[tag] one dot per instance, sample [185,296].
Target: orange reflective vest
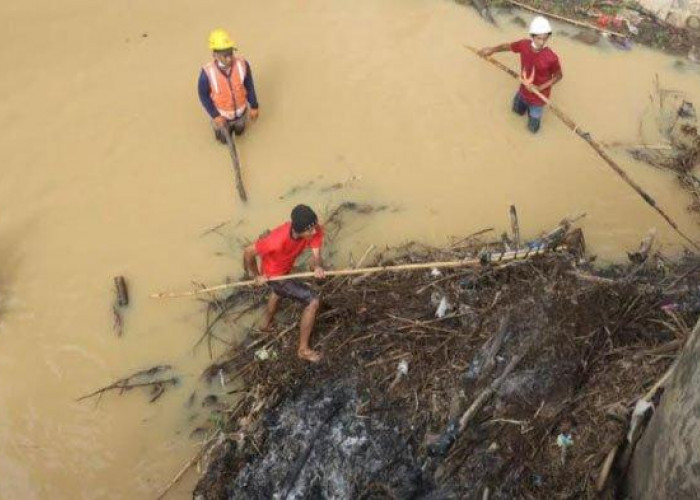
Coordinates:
[228,92]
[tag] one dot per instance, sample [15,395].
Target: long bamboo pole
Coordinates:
[593,143]
[495,258]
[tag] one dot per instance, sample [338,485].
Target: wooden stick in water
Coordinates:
[514,226]
[495,258]
[236,165]
[594,144]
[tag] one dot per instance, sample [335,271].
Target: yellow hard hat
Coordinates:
[219,40]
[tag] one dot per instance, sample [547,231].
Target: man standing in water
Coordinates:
[539,68]
[226,88]
[278,251]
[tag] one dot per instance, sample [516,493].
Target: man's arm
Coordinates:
[250,264]
[250,90]
[317,263]
[250,87]
[504,47]
[204,91]
[555,79]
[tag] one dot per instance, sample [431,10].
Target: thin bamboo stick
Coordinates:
[495,258]
[593,143]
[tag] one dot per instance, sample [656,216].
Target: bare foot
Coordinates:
[267,327]
[310,355]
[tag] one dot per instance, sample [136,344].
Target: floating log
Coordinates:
[122,291]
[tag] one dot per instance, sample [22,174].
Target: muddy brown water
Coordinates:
[109,168]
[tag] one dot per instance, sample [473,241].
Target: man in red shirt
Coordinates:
[539,67]
[278,251]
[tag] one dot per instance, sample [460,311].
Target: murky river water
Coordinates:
[109,168]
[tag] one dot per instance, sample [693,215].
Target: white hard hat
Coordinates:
[540,26]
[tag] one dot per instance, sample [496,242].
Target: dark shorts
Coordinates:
[293,289]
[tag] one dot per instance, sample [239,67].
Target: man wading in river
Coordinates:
[226,88]
[539,67]
[278,251]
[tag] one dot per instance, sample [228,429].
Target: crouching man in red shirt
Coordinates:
[539,68]
[278,251]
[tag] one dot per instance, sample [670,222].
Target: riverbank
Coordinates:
[501,381]
[657,24]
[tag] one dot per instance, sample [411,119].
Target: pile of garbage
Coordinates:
[672,118]
[502,381]
[669,25]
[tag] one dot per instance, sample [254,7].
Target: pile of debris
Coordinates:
[669,25]
[674,119]
[509,380]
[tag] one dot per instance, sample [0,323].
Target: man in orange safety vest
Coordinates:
[226,88]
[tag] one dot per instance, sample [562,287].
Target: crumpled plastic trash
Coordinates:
[442,308]
[474,369]
[402,368]
[435,272]
[669,308]
[263,354]
[401,371]
[564,440]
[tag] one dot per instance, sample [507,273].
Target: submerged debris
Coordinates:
[121,300]
[155,378]
[677,124]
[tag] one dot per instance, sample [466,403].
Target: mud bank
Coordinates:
[505,381]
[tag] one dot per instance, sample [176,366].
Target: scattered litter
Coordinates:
[537,481]
[474,369]
[564,441]
[265,354]
[620,42]
[669,308]
[402,368]
[448,375]
[442,308]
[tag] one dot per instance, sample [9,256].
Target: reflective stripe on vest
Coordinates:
[228,93]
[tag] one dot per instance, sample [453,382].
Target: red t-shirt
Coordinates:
[278,250]
[546,65]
